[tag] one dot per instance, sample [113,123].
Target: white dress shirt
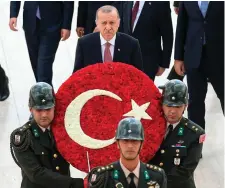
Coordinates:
[136,173]
[43,129]
[141,5]
[174,125]
[111,48]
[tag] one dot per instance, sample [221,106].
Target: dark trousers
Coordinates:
[42,48]
[197,86]
[4,87]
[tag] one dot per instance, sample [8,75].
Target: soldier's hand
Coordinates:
[176,10]
[179,67]
[80,31]
[77,183]
[13,24]
[160,71]
[65,34]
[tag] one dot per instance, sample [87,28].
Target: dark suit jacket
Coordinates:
[153,24]
[186,148]
[88,52]
[87,13]
[54,14]
[191,26]
[155,177]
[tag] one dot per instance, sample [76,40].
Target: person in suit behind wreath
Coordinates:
[199,52]
[34,149]
[108,45]
[151,24]
[86,15]
[44,24]
[129,171]
[4,85]
[181,148]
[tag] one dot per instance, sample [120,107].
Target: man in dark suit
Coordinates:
[199,52]
[149,22]
[108,45]
[4,85]
[86,15]
[181,149]
[34,149]
[44,23]
[129,171]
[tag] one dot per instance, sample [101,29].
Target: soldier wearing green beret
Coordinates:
[129,171]
[34,149]
[181,148]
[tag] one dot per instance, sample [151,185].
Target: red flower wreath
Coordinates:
[98,115]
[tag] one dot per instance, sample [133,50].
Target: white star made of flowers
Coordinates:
[138,112]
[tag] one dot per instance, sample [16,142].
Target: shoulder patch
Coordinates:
[202,138]
[97,176]
[21,137]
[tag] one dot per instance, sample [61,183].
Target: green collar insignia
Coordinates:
[147,177]
[181,131]
[35,131]
[116,174]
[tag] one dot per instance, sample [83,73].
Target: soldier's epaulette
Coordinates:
[105,168]
[193,126]
[153,167]
[25,127]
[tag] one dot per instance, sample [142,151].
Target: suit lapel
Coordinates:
[209,8]
[117,50]
[145,9]
[197,8]
[97,49]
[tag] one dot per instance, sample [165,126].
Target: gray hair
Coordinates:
[107,9]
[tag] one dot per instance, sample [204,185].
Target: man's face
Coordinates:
[129,148]
[108,24]
[173,114]
[43,117]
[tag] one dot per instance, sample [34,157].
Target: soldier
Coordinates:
[33,146]
[181,148]
[129,171]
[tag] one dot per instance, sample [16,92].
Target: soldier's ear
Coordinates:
[117,143]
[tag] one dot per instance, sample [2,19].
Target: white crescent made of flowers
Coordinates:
[72,120]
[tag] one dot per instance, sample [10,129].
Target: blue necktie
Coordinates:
[204,7]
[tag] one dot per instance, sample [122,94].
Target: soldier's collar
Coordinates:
[43,129]
[136,171]
[174,125]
